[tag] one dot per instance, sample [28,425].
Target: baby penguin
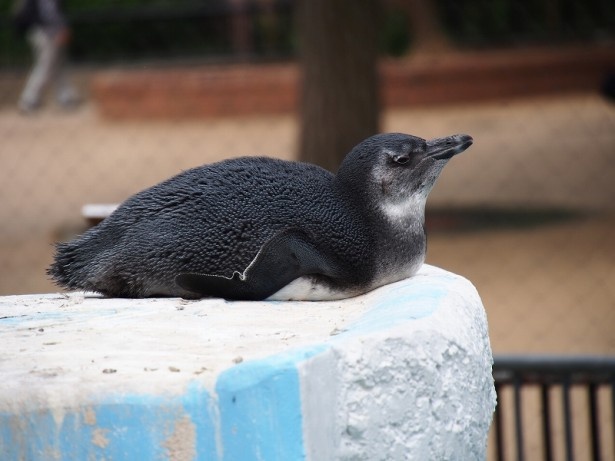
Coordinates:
[257,228]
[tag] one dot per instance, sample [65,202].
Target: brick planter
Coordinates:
[248,90]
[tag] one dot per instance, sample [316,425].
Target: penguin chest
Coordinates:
[310,289]
[398,270]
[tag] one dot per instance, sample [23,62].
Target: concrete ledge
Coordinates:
[403,372]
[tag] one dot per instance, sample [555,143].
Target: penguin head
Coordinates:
[396,169]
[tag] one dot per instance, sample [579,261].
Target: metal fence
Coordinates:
[559,421]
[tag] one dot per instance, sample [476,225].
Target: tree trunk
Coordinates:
[339,96]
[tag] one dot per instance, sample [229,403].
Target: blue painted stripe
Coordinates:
[260,408]
[407,302]
[124,427]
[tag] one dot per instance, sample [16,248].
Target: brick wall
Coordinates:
[248,89]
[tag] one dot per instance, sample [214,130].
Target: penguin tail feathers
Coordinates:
[68,269]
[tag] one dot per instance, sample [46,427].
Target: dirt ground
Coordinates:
[547,288]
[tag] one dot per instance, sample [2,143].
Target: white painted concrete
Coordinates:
[397,388]
[403,372]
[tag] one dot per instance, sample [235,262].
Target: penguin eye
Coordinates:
[401,159]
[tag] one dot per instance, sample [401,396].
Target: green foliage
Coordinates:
[74,5]
[146,39]
[121,30]
[509,22]
[395,36]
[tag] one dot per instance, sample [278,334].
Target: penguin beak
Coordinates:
[445,148]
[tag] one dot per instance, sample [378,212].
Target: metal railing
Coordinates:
[591,375]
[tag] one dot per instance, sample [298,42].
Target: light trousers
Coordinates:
[48,70]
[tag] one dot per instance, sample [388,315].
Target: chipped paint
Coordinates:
[299,391]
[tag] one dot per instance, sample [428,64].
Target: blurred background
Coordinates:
[527,214]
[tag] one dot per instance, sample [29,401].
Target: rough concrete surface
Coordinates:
[416,390]
[403,372]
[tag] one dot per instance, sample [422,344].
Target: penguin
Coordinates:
[258,228]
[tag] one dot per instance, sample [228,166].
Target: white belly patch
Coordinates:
[306,289]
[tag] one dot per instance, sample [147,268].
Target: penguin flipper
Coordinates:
[285,257]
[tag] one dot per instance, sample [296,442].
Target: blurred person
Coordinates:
[45,25]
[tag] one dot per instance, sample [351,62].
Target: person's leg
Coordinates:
[45,56]
[66,93]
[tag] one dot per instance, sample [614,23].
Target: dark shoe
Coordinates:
[28,108]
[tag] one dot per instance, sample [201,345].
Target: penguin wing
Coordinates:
[287,256]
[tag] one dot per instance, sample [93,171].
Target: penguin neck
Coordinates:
[403,223]
[404,213]
[400,238]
